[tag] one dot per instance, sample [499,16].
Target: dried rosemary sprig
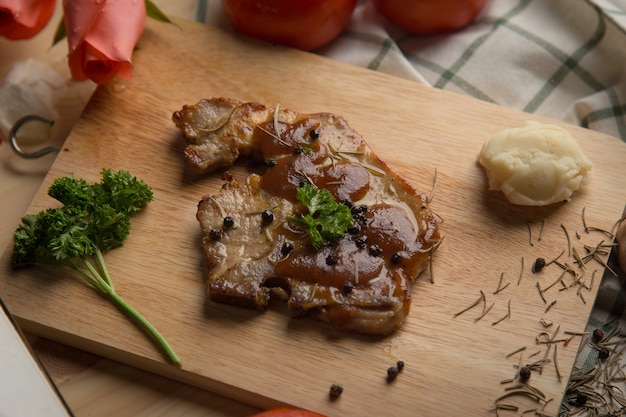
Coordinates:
[501,287]
[474,304]
[506,316]
[434,189]
[600,390]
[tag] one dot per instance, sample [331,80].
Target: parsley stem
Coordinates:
[97,281]
[103,268]
[84,275]
[146,326]
[102,283]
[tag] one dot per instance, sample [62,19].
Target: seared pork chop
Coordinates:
[255,247]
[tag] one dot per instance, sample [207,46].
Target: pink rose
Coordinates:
[101,37]
[23,19]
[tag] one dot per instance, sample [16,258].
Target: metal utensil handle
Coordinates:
[13,137]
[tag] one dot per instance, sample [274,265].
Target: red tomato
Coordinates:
[302,24]
[286,412]
[430,16]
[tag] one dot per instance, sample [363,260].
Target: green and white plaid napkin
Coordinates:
[563,59]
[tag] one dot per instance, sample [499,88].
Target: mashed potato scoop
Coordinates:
[534,165]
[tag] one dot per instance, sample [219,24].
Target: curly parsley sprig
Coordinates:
[327,219]
[94,218]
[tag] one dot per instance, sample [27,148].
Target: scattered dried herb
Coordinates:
[515,352]
[500,287]
[273,135]
[486,310]
[569,243]
[474,304]
[599,390]
[541,293]
[430,259]
[556,258]
[506,316]
[543,224]
[434,189]
[275,120]
[556,362]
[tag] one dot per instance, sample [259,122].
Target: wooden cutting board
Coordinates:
[454,365]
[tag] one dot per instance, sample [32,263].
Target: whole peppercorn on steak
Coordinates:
[328,227]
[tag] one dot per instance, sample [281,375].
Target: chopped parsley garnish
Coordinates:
[326,219]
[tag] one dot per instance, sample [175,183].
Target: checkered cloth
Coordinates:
[563,59]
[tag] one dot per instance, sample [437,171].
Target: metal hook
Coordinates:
[13,138]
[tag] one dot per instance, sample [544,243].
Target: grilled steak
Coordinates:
[254,247]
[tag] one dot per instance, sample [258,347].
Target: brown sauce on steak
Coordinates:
[359,282]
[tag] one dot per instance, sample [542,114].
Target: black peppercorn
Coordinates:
[604,353]
[314,134]
[400,365]
[581,399]
[356,210]
[392,373]
[361,242]
[215,234]
[347,203]
[229,222]
[335,391]
[287,248]
[298,149]
[539,264]
[396,258]
[271,162]
[598,334]
[354,230]
[375,250]
[332,259]
[267,217]
[524,373]
[348,287]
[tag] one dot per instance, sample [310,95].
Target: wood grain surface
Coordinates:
[454,365]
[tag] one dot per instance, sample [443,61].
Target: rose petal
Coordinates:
[102,36]
[23,19]
[90,63]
